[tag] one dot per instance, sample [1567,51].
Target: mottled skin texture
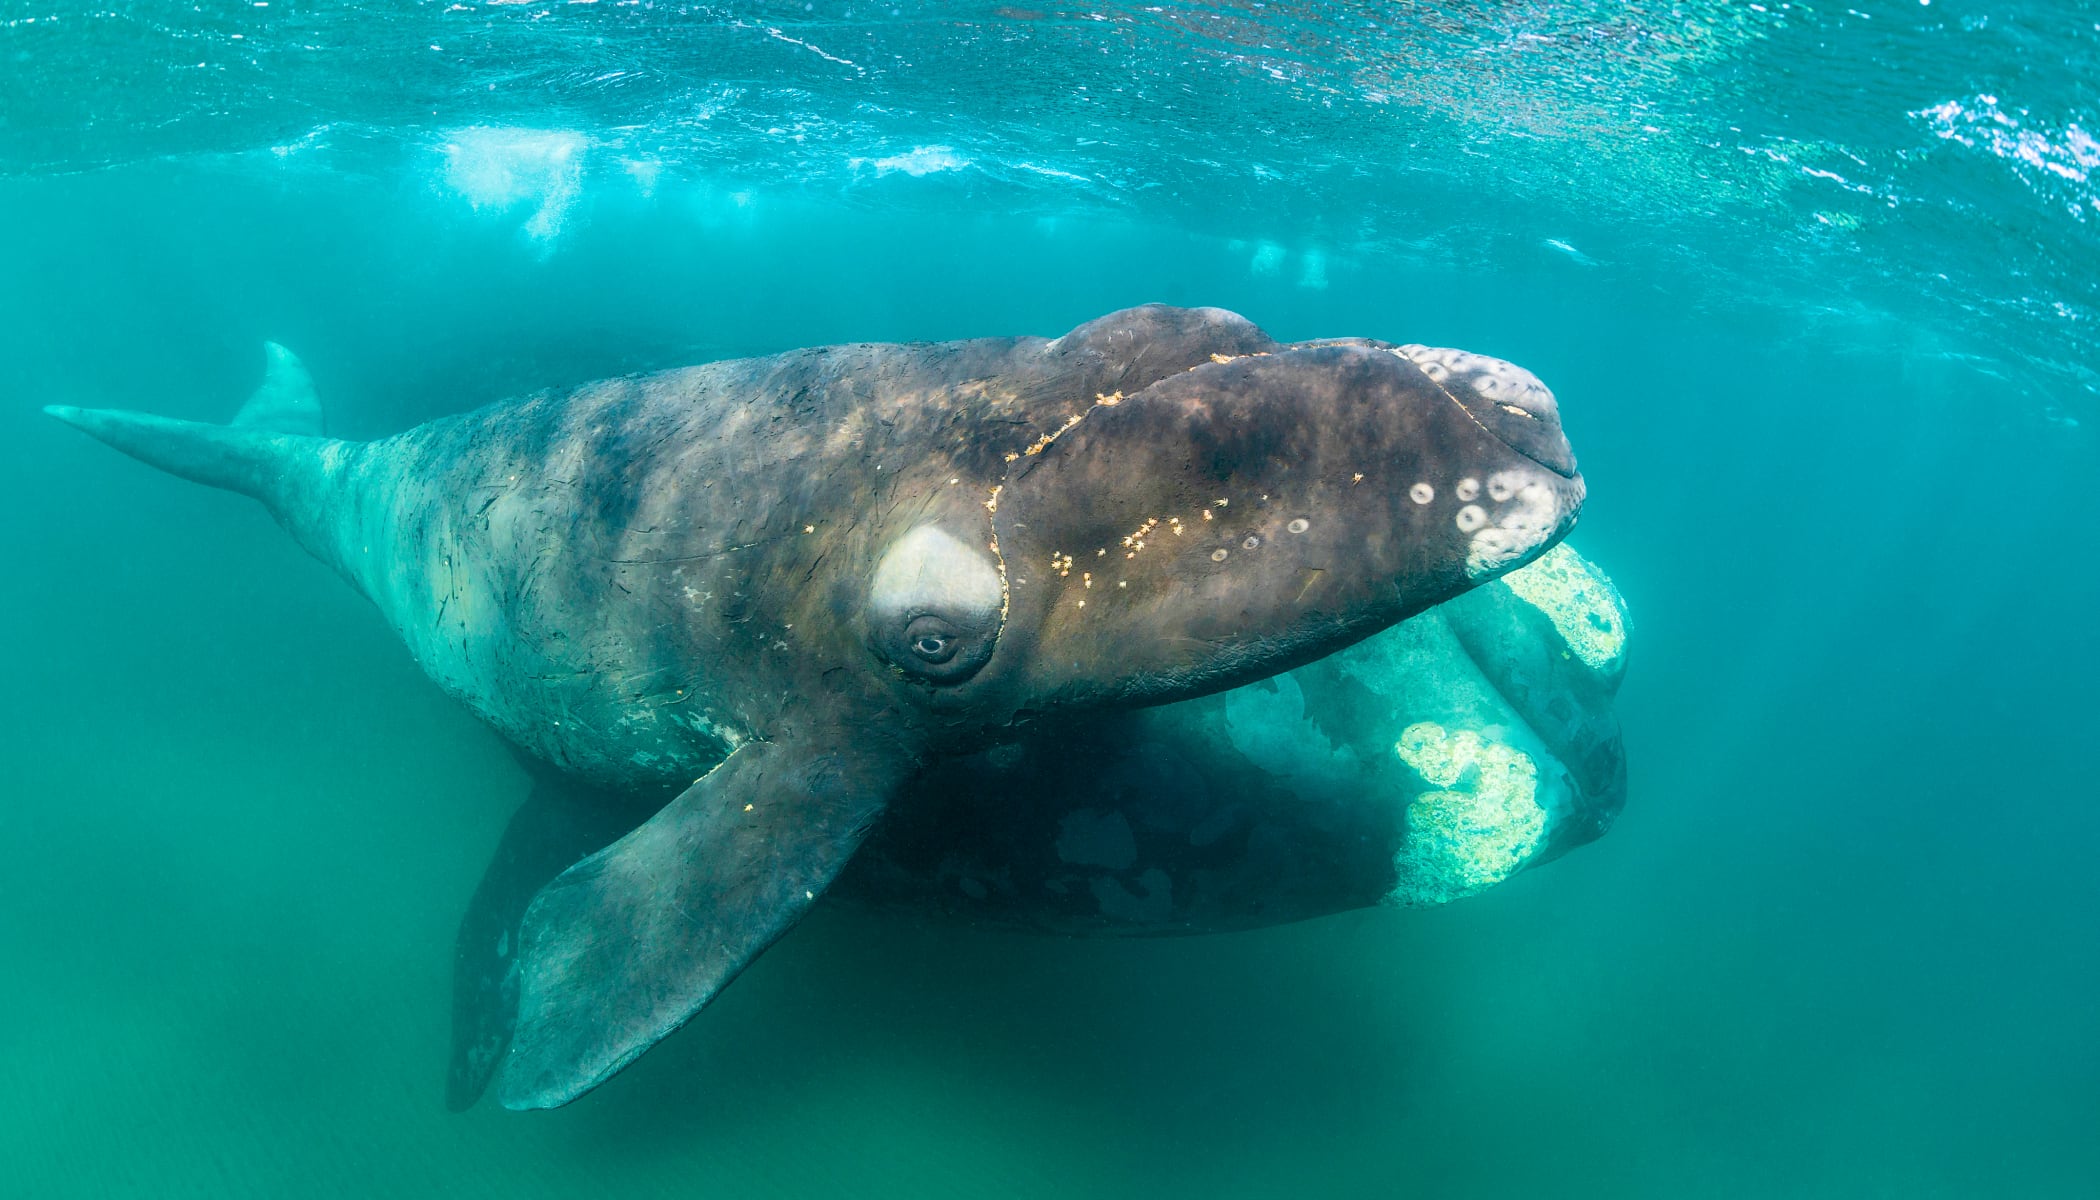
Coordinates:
[635,578]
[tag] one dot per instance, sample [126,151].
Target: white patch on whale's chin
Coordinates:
[1527,513]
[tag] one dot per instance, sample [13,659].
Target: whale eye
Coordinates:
[933,608]
[931,638]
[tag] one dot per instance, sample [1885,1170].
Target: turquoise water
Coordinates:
[1816,288]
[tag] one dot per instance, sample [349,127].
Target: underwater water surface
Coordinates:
[1816,288]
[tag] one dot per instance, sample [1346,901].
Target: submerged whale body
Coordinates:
[757,602]
[1421,765]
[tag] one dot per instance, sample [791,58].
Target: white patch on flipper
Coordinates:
[1518,528]
[1580,601]
[1480,823]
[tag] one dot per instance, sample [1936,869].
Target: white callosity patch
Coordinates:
[931,570]
[1479,822]
[1499,381]
[1580,601]
[1473,790]
[1527,508]
[1478,794]
[1520,525]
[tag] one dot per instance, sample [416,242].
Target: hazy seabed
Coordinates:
[1839,437]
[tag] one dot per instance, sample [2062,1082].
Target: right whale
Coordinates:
[751,602]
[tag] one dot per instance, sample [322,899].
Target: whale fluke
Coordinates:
[285,403]
[272,451]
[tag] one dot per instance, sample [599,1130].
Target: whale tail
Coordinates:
[271,450]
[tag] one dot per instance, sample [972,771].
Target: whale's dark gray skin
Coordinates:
[792,584]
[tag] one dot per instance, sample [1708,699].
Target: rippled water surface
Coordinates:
[1817,287]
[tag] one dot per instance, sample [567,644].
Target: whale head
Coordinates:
[1228,520]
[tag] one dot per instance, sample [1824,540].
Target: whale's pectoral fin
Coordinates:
[560,824]
[627,945]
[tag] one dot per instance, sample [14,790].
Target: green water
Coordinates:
[1841,457]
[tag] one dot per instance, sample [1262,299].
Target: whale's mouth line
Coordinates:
[1468,414]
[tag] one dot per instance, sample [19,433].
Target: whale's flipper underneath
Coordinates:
[628,944]
[271,451]
[560,824]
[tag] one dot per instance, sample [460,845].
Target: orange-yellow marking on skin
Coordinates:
[1312,579]
[1042,443]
